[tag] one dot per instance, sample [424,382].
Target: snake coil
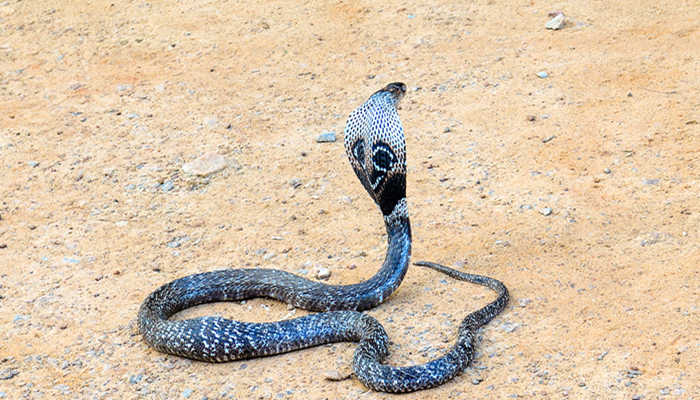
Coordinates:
[375,146]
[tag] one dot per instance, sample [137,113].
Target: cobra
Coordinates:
[375,146]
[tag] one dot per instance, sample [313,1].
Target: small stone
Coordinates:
[524,302]
[323,273]
[33,164]
[633,372]
[542,74]
[602,355]
[134,379]
[8,373]
[64,389]
[510,327]
[607,170]
[447,130]
[187,393]
[167,186]
[546,211]
[477,380]
[211,122]
[132,116]
[205,165]
[548,139]
[124,87]
[654,181]
[295,182]
[335,375]
[326,137]
[178,241]
[531,118]
[557,22]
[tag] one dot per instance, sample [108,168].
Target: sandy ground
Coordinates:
[102,103]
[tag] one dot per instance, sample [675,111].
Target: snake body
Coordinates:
[375,145]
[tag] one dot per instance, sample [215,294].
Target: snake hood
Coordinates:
[376,147]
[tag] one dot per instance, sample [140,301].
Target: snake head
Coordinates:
[376,146]
[396,89]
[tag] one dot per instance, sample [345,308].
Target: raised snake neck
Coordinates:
[375,145]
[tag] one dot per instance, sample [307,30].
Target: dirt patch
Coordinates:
[580,190]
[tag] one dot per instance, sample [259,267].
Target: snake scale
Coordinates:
[375,146]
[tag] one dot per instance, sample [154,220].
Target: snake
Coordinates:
[376,148]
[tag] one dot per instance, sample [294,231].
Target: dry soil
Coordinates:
[580,190]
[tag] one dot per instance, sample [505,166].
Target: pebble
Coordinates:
[633,372]
[607,170]
[557,22]
[33,164]
[602,355]
[548,139]
[326,137]
[510,327]
[205,165]
[524,302]
[295,182]
[167,186]
[187,393]
[9,373]
[335,375]
[542,74]
[177,241]
[531,118]
[211,122]
[323,273]
[64,389]
[477,381]
[546,211]
[134,379]
[654,181]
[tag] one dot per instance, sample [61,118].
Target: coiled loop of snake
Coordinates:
[375,146]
